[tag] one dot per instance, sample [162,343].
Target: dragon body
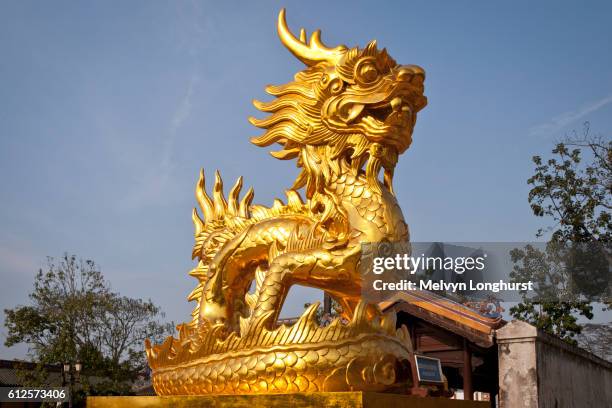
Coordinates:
[346,118]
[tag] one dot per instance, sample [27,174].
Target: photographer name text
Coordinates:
[441,285]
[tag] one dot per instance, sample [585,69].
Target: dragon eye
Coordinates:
[367,72]
[335,86]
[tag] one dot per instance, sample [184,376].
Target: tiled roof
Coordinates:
[447,314]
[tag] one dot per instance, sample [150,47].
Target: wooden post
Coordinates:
[468,392]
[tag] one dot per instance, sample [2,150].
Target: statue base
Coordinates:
[296,400]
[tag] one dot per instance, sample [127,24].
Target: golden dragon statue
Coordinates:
[345,119]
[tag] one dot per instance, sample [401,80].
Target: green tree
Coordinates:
[74,316]
[573,188]
[554,306]
[577,195]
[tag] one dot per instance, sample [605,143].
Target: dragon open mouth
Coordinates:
[393,113]
[382,118]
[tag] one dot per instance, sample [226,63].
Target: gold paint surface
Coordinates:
[345,119]
[294,400]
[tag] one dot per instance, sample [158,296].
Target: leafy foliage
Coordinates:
[576,195]
[74,316]
[558,318]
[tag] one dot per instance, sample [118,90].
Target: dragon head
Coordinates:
[350,106]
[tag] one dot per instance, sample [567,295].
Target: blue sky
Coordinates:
[109,109]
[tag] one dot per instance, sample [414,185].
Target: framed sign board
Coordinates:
[429,370]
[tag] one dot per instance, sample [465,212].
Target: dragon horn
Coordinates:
[312,53]
[203,198]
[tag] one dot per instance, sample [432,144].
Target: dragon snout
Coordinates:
[411,80]
[410,73]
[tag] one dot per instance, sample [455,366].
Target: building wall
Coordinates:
[569,378]
[537,370]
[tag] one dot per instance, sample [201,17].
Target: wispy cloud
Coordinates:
[556,124]
[181,114]
[195,32]
[153,184]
